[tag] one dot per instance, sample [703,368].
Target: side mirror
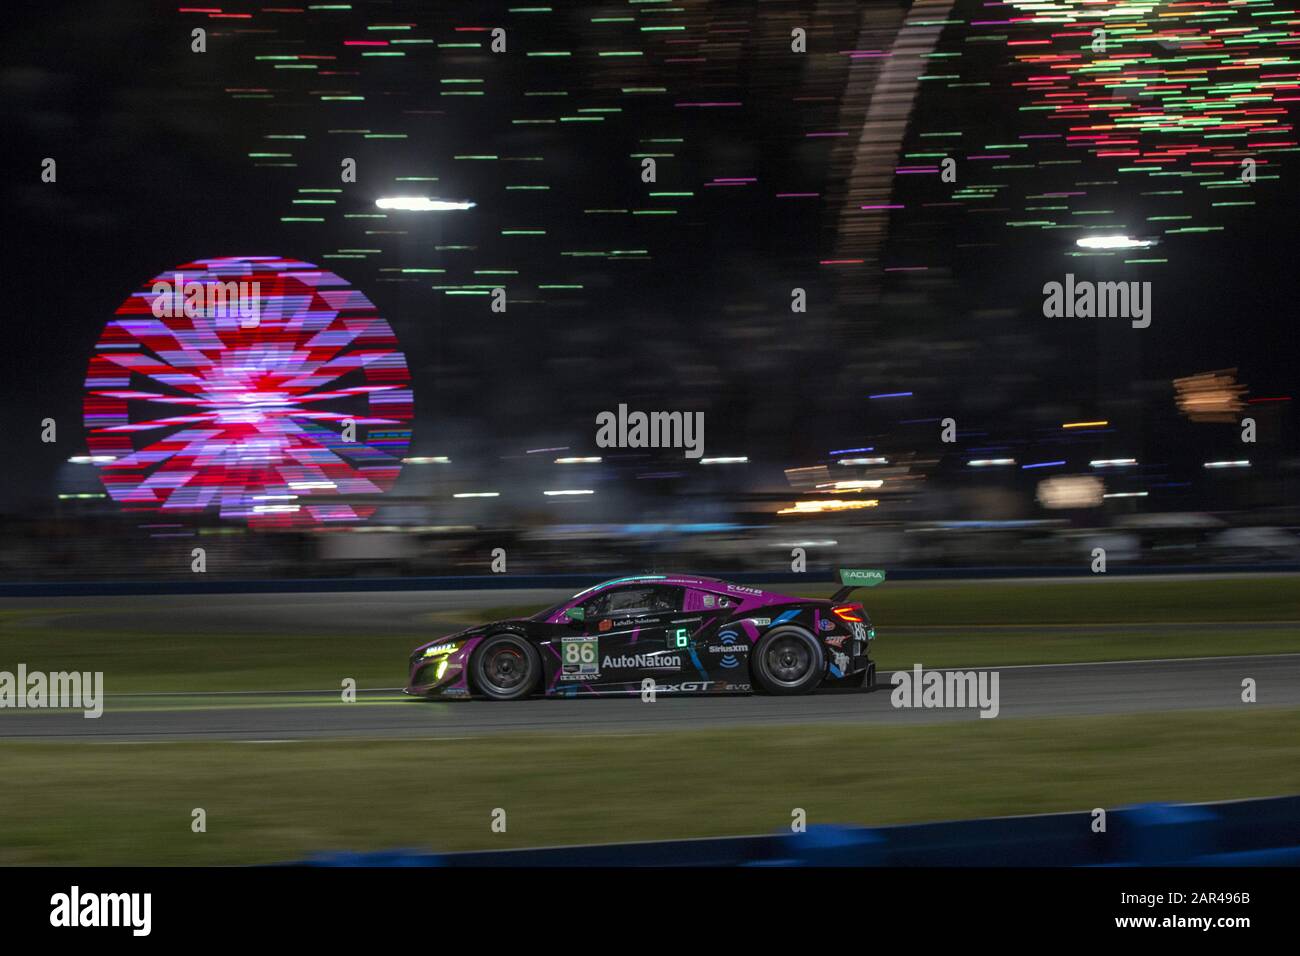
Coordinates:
[575,615]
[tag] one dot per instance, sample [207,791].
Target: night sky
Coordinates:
[667,295]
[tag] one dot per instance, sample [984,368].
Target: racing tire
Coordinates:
[787,661]
[505,667]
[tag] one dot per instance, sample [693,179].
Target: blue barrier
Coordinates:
[1263,832]
[489,582]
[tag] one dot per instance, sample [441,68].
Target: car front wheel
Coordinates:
[506,667]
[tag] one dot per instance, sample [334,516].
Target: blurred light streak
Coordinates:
[422,204]
[832,504]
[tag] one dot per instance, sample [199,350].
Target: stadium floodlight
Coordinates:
[422,204]
[1113,242]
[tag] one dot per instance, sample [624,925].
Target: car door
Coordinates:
[720,652]
[625,633]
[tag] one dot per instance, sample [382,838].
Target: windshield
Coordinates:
[553,609]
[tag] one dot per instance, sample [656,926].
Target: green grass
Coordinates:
[73,803]
[940,624]
[178,661]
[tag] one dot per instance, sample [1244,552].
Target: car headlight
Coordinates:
[440,649]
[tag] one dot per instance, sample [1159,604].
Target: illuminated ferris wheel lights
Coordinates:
[247,445]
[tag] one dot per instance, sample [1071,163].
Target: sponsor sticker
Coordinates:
[861,577]
[729,645]
[580,657]
[840,664]
[654,661]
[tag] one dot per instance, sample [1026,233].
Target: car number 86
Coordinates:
[579,652]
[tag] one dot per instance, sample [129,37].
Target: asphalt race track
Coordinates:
[1129,687]
[1031,691]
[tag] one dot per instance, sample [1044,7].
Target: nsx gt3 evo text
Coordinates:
[689,635]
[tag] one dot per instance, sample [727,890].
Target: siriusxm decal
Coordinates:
[730,644]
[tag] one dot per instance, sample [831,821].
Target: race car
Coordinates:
[672,634]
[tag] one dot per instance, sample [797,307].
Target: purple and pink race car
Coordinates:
[673,634]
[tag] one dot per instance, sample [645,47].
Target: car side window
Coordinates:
[635,600]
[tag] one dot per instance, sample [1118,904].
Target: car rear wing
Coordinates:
[854,578]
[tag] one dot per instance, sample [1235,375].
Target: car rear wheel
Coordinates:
[506,667]
[788,660]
